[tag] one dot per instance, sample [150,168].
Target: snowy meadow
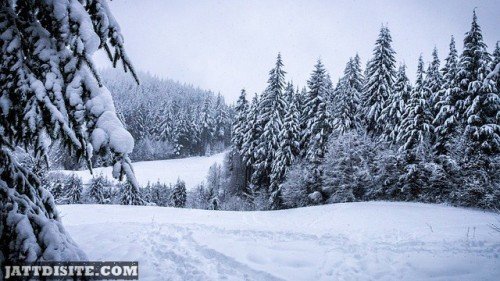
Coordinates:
[350,141]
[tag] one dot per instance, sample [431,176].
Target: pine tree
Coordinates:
[252,132]
[330,94]
[240,121]
[434,81]
[289,146]
[316,121]
[73,188]
[495,62]
[220,121]
[52,91]
[477,102]
[380,73]
[416,125]
[130,195]
[346,115]
[444,125]
[164,125]
[207,125]
[178,197]
[472,59]
[316,127]
[393,112]
[97,190]
[270,119]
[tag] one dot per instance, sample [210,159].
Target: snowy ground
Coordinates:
[192,170]
[354,241]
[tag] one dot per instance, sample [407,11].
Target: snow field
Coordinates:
[352,241]
[192,170]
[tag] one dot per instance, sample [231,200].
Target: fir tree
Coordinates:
[316,121]
[444,125]
[220,121]
[356,78]
[316,126]
[416,125]
[495,63]
[53,92]
[240,121]
[207,125]
[396,106]
[130,195]
[97,190]
[289,146]
[379,81]
[270,118]
[251,137]
[178,197]
[73,189]
[479,103]
[346,115]
[434,81]
[472,60]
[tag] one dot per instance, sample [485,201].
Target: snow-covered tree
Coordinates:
[130,195]
[346,116]
[434,81]
[289,146]
[52,91]
[316,126]
[178,196]
[445,122]
[207,124]
[348,169]
[220,123]
[495,61]
[97,190]
[73,189]
[160,194]
[379,79]
[239,123]
[416,125]
[270,117]
[296,187]
[252,133]
[316,122]
[392,114]
[481,104]
[214,186]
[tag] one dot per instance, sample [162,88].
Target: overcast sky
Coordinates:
[228,45]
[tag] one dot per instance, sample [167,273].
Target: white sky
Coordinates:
[229,45]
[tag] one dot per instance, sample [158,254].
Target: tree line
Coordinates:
[167,119]
[374,134]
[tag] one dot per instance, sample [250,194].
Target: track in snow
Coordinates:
[356,241]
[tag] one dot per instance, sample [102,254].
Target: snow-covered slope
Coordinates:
[353,241]
[192,170]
